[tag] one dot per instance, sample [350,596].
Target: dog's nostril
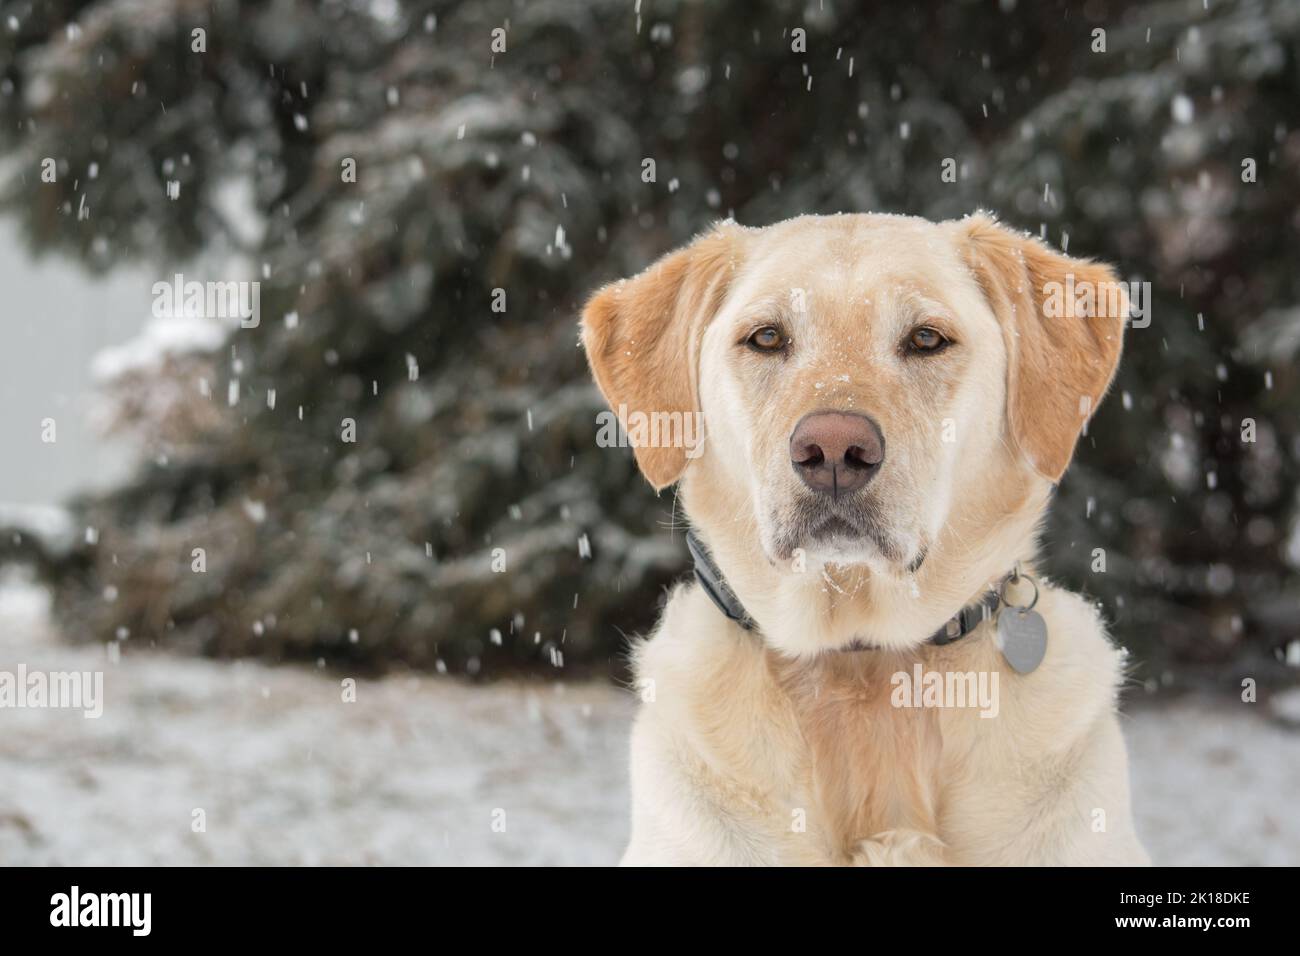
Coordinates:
[857,457]
[810,456]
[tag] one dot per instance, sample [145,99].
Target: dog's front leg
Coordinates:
[682,815]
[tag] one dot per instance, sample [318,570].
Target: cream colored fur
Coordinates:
[778,746]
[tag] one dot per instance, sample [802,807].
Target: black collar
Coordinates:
[715,586]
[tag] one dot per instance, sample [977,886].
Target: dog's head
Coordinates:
[861,378]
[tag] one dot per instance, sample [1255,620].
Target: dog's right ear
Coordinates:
[642,338]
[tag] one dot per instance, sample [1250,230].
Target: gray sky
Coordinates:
[54,317]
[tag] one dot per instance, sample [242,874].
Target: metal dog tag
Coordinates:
[1022,638]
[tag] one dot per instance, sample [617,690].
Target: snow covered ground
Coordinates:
[423,770]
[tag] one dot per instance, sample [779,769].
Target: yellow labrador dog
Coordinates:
[868,670]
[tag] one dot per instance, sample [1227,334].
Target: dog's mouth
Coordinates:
[834,527]
[839,534]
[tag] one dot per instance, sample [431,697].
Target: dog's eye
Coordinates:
[768,339]
[925,339]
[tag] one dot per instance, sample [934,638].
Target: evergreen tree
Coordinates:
[427,191]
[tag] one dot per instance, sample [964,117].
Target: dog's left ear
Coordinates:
[642,338]
[1063,323]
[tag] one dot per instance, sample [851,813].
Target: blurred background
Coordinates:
[425,193]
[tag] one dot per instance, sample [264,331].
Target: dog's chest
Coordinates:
[866,767]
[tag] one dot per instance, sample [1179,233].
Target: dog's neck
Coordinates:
[959,625]
[837,606]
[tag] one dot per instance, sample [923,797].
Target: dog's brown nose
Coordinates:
[836,452]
